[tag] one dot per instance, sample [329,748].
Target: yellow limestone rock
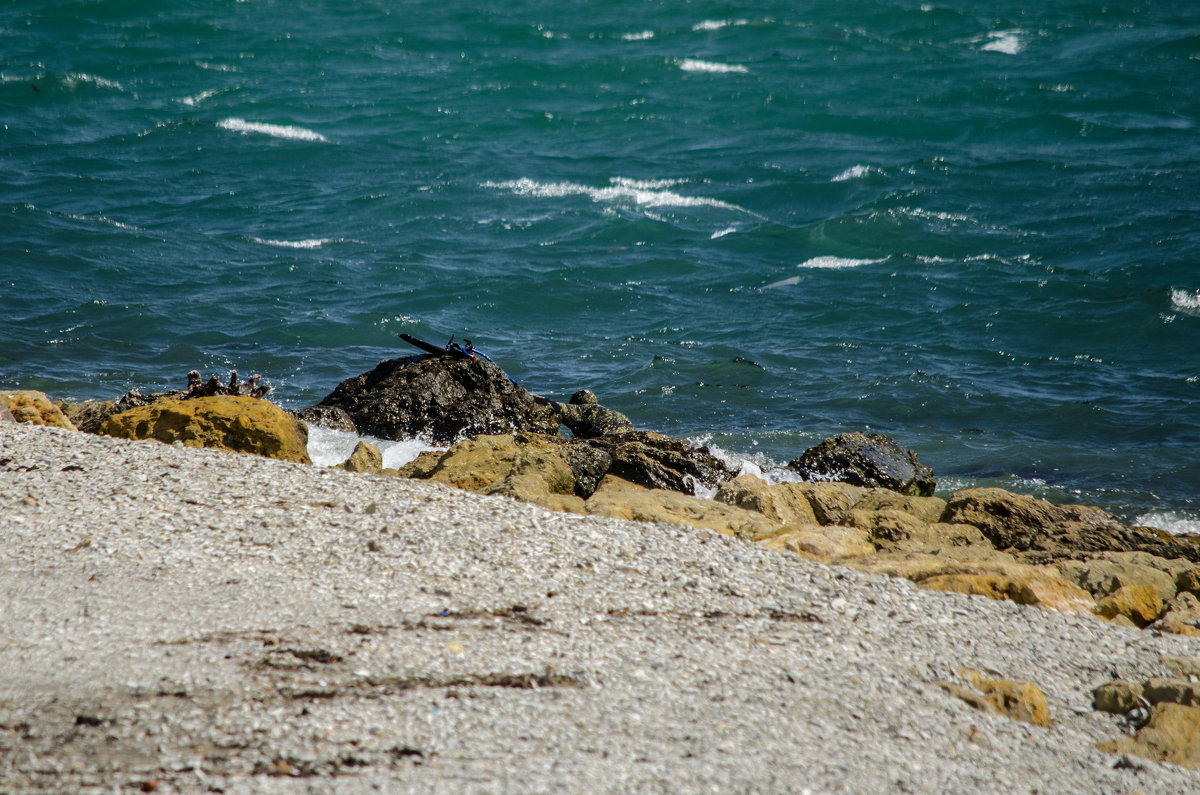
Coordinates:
[1017,699]
[366,457]
[1171,735]
[620,499]
[225,422]
[34,408]
[1141,604]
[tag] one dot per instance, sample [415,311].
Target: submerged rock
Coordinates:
[871,460]
[440,398]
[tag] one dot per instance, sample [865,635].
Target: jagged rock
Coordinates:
[871,460]
[659,462]
[331,417]
[34,408]
[1017,699]
[1171,735]
[88,416]
[365,457]
[239,424]
[440,398]
[587,419]
[1181,616]
[1141,604]
[1163,689]
[1045,532]
[621,499]
[214,386]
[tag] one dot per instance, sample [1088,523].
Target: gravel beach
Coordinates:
[189,620]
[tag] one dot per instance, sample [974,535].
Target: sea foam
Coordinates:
[312,243]
[329,448]
[644,193]
[836,262]
[855,172]
[1008,42]
[696,65]
[273,130]
[1172,522]
[1185,300]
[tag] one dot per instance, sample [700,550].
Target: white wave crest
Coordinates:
[329,448]
[717,24]
[835,263]
[729,230]
[644,35]
[644,193]
[195,99]
[274,130]
[312,243]
[1185,300]
[1008,42]
[695,65]
[75,78]
[855,172]
[1170,521]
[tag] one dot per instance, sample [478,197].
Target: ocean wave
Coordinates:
[729,230]
[1009,42]
[1172,522]
[195,99]
[644,35]
[274,130]
[835,263]
[97,219]
[315,242]
[696,65]
[856,172]
[329,448]
[717,24]
[644,193]
[76,78]
[1185,300]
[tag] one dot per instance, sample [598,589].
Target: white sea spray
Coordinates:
[288,132]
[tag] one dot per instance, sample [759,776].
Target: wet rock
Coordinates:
[871,460]
[659,462]
[620,499]
[442,399]
[34,408]
[366,457]
[331,417]
[1042,532]
[234,387]
[587,419]
[1017,699]
[239,424]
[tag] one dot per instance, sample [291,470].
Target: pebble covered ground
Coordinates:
[180,619]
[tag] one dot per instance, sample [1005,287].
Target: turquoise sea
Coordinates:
[972,226]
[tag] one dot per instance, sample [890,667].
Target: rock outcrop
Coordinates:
[587,419]
[238,424]
[34,408]
[871,460]
[442,399]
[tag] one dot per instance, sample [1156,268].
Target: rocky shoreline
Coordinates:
[1118,684]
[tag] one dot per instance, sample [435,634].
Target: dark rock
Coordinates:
[1041,532]
[331,417]
[589,463]
[90,415]
[871,460]
[660,462]
[442,398]
[590,421]
[214,386]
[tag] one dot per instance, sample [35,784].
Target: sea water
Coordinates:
[972,226]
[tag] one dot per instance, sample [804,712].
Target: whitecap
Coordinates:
[717,24]
[310,243]
[644,35]
[695,65]
[195,99]
[855,172]
[644,193]
[1186,300]
[273,130]
[216,67]
[722,232]
[835,263]
[1008,42]
[83,77]
[782,283]
[328,447]
[1171,521]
